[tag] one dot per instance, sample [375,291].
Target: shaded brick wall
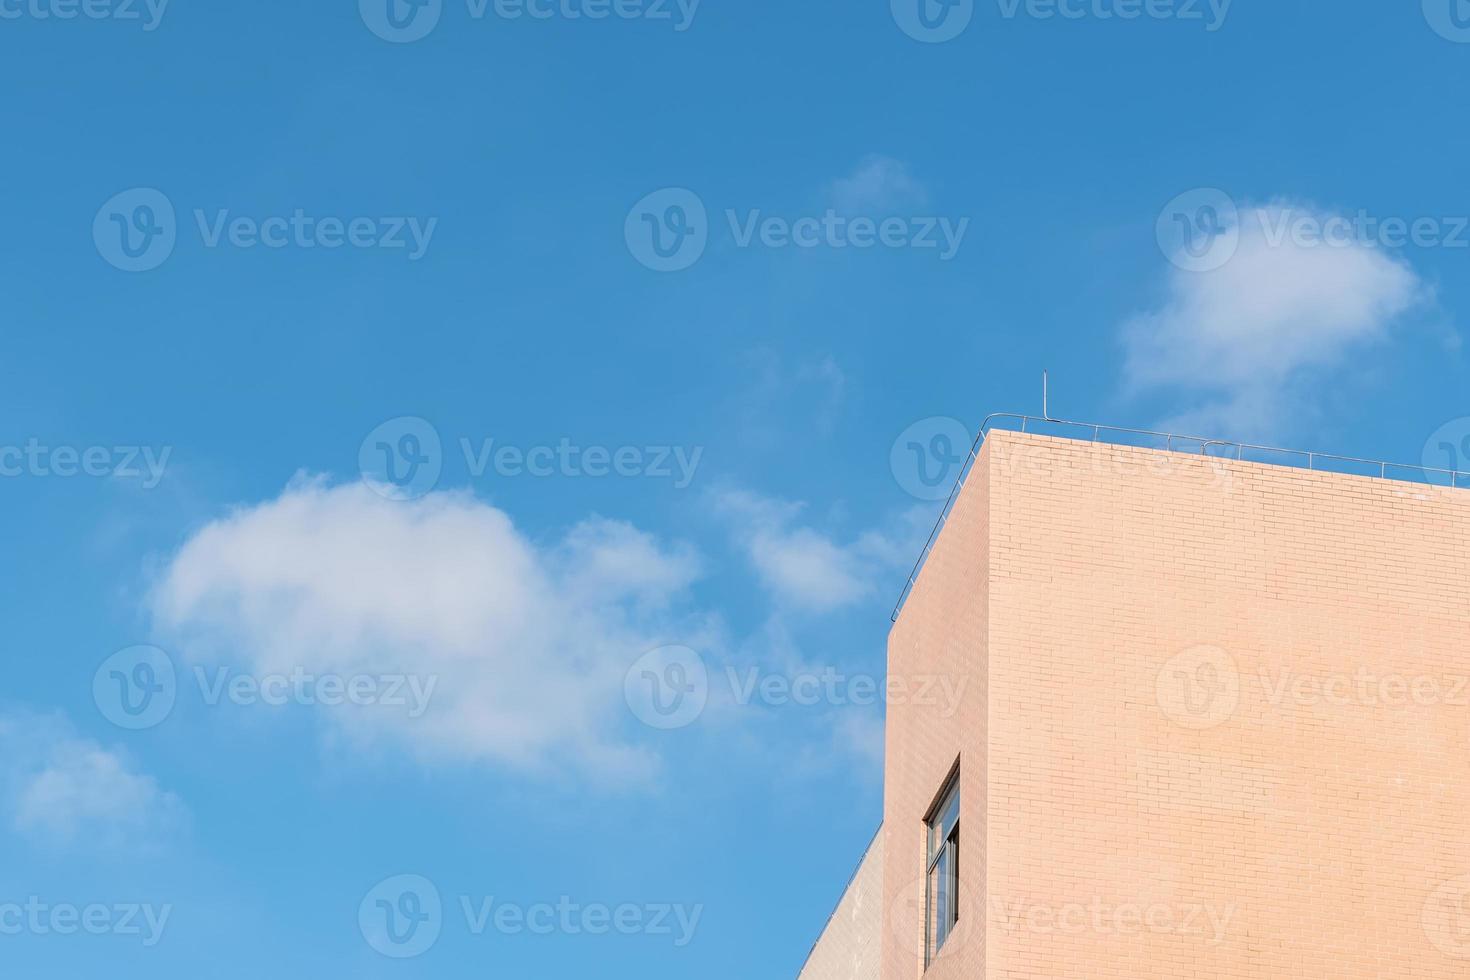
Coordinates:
[849,946]
[941,635]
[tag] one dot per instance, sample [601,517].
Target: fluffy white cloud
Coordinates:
[1245,331]
[62,788]
[879,184]
[529,642]
[806,569]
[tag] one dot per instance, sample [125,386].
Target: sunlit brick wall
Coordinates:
[1226,730]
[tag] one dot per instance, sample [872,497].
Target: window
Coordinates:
[942,883]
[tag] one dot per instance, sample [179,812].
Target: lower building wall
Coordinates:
[849,947]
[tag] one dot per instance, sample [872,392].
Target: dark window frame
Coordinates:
[942,866]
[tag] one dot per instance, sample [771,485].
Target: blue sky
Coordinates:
[548,417]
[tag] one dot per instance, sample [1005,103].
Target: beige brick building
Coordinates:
[1215,724]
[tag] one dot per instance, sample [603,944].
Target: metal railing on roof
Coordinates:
[1172,442]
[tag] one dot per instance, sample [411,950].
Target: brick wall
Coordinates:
[849,946]
[940,637]
[1221,728]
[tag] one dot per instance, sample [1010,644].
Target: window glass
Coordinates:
[941,886]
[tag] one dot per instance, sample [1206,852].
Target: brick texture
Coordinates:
[1216,722]
[849,947]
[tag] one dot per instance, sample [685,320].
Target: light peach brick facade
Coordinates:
[1215,723]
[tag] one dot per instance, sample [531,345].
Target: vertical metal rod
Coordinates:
[1044,413]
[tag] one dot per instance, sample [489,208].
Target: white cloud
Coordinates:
[806,569]
[879,184]
[1244,332]
[62,788]
[529,642]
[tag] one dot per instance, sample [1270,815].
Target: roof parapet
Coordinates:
[1172,442]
